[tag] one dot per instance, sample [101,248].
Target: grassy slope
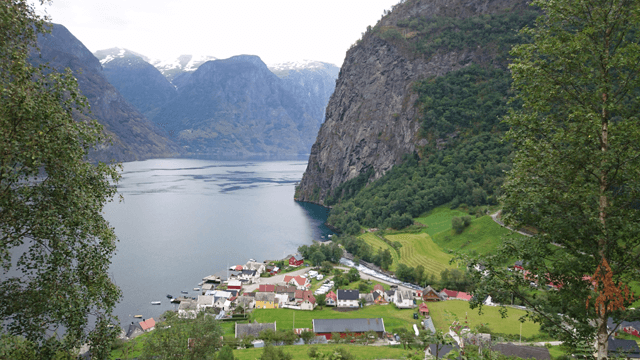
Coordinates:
[376,243]
[443,313]
[300,352]
[439,219]
[419,249]
[482,236]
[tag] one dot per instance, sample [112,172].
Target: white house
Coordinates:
[348,298]
[404,299]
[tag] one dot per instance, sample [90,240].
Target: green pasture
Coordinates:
[392,316]
[360,352]
[444,313]
[483,236]
[376,243]
[419,249]
[439,219]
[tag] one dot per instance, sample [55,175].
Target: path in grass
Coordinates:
[439,219]
[482,236]
[419,249]
[392,316]
[491,316]
[359,351]
[376,243]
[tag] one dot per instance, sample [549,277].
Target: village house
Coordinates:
[309,301]
[134,330]
[266,301]
[423,309]
[288,290]
[298,281]
[234,284]
[357,327]
[524,352]
[254,329]
[267,288]
[368,298]
[283,299]
[296,260]
[247,302]
[430,294]
[630,327]
[257,266]
[389,295]
[250,276]
[404,299]
[348,298]
[148,325]
[379,298]
[620,348]
[204,302]
[331,299]
[187,309]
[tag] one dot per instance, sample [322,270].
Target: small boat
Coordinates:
[196,289]
[184,292]
[169,296]
[252,260]
[137,316]
[200,283]
[156,303]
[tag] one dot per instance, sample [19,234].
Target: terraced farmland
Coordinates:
[419,249]
[439,219]
[376,243]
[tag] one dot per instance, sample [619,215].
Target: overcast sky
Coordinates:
[275,30]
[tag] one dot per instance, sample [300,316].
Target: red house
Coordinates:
[423,309]
[267,288]
[296,260]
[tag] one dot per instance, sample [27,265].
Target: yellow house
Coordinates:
[266,301]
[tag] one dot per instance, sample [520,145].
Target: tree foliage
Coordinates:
[55,246]
[176,337]
[575,175]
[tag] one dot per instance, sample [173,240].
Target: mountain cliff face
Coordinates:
[139,82]
[134,137]
[238,107]
[371,119]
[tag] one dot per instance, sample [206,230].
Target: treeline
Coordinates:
[363,251]
[452,279]
[318,253]
[463,163]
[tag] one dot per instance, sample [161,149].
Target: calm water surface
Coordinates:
[184,219]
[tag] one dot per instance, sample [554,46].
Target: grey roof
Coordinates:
[611,324]
[626,348]
[134,330]
[254,329]
[298,257]
[444,349]
[347,325]
[428,325]
[390,292]
[524,352]
[261,296]
[249,272]
[348,294]
[188,305]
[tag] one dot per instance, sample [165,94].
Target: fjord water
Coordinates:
[183,219]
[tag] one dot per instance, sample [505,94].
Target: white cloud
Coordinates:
[275,30]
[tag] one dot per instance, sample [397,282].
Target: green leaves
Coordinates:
[54,242]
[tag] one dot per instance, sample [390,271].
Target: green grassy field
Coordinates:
[129,349]
[444,312]
[376,243]
[482,236]
[419,249]
[392,316]
[359,351]
[354,285]
[439,219]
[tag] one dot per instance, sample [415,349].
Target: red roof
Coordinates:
[332,295]
[450,293]
[238,267]
[147,324]
[267,288]
[298,279]
[424,307]
[299,294]
[464,296]
[378,287]
[287,278]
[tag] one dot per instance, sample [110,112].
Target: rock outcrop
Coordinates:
[371,119]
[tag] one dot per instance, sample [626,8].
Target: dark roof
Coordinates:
[250,272]
[348,294]
[444,349]
[524,352]
[611,324]
[626,348]
[254,329]
[134,329]
[347,325]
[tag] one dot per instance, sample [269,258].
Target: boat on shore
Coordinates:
[184,292]
[196,289]
[137,316]
[156,303]
[169,296]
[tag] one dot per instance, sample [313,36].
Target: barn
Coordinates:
[357,327]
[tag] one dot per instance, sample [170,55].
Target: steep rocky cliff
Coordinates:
[371,119]
[134,136]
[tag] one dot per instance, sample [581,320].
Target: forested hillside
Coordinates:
[463,158]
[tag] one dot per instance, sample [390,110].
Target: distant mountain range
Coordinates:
[231,107]
[134,136]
